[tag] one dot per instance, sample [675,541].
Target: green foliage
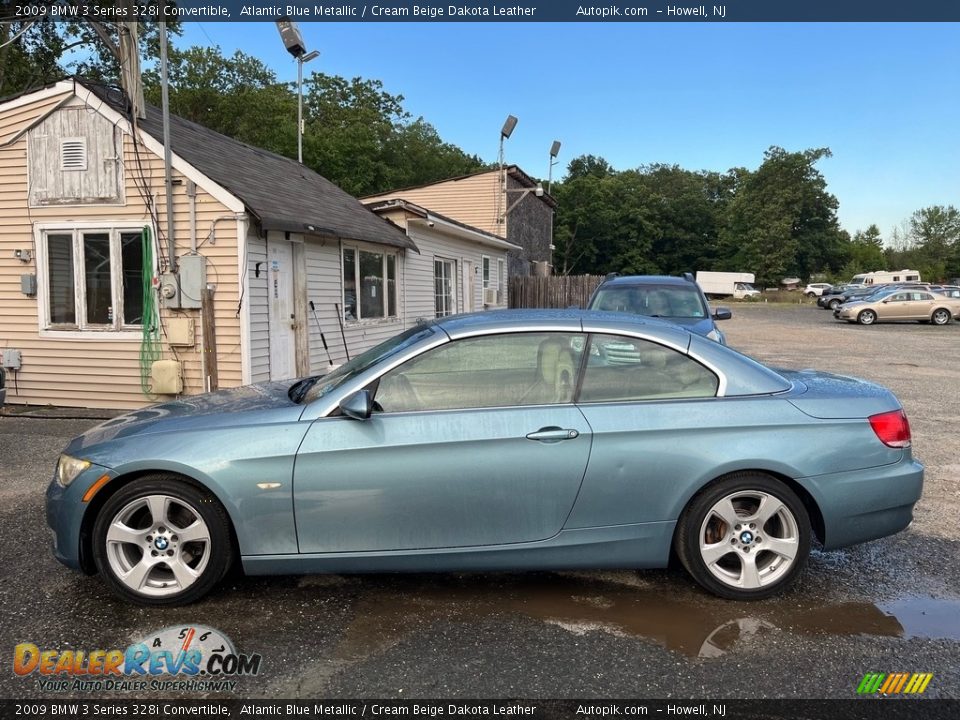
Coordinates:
[782,221]
[776,221]
[238,96]
[929,242]
[356,134]
[49,50]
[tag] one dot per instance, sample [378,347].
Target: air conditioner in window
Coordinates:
[489,296]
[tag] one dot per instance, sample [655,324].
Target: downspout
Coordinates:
[192,194]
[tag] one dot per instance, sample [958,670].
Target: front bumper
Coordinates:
[65,511]
[866,504]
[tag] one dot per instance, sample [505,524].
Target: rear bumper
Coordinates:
[866,504]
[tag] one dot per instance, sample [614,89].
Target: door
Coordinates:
[468,286]
[283,356]
[478,443]
[921,305]
[897,307]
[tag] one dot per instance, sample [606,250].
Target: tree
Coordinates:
[356,134]
[782,221]
[238,96]
[46,50]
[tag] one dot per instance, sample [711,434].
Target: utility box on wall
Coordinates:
[193,280]
[183,290]
[180,331]
[12,359]
[166,377]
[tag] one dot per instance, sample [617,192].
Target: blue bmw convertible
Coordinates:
[503,440]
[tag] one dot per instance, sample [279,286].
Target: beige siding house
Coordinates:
[507,203]
[466,267]
[266,256]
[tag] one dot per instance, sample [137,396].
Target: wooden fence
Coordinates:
[552,291]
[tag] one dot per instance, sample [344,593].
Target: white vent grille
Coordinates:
[73,154]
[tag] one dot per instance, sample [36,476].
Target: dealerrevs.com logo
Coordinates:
[192,658]
[900,683]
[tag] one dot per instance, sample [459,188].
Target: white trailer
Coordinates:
[880,277]
[724,284]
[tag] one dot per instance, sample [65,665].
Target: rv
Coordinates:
[882,276]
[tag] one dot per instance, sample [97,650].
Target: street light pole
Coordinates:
[301,60]
[293,42]
[300,109]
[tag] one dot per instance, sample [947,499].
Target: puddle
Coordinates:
[696,626]
[926,617]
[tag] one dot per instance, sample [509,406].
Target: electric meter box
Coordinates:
[193,280]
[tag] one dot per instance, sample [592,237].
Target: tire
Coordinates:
[941,316]
[834,304]
[733,559]
[811,295]
[162,541]
[867,317]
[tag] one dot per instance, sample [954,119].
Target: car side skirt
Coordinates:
[642,545]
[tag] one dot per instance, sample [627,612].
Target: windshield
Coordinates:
[371,357]
[668,301]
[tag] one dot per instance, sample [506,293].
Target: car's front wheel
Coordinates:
[867,317]
[162,541]
[745,537]
[834,304]
[940,316]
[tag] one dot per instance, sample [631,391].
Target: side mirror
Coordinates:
[358,405]
[722,313]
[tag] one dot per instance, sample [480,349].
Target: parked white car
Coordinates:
[816,289]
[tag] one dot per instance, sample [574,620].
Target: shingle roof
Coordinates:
[280,192]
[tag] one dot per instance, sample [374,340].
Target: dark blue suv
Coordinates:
[676,299]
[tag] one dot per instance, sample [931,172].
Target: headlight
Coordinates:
[68,468]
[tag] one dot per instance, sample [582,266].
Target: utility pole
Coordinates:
[129,59]
[167,154]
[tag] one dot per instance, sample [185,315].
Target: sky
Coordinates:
[884,97]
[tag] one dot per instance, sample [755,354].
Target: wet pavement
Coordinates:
[892,605]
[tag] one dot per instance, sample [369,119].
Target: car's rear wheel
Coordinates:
[745,537]
[940,316]
[162,541]
[867,317]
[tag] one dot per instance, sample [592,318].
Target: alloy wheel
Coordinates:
[749,539]
[158,545]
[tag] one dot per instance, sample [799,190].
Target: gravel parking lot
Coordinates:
[886,606]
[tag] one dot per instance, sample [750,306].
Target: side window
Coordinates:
[621,369]
[490,371]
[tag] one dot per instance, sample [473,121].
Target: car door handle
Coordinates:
[553,434]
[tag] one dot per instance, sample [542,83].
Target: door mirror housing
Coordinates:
[722,313]
[358,405]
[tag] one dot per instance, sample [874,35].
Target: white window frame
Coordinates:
[501,281]
[486,272]
[76,230]
[391,315]
[452,279]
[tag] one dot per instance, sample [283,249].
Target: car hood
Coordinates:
[828,396]
[224,408]
[698,325]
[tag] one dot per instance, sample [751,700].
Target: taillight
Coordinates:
[892,428]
